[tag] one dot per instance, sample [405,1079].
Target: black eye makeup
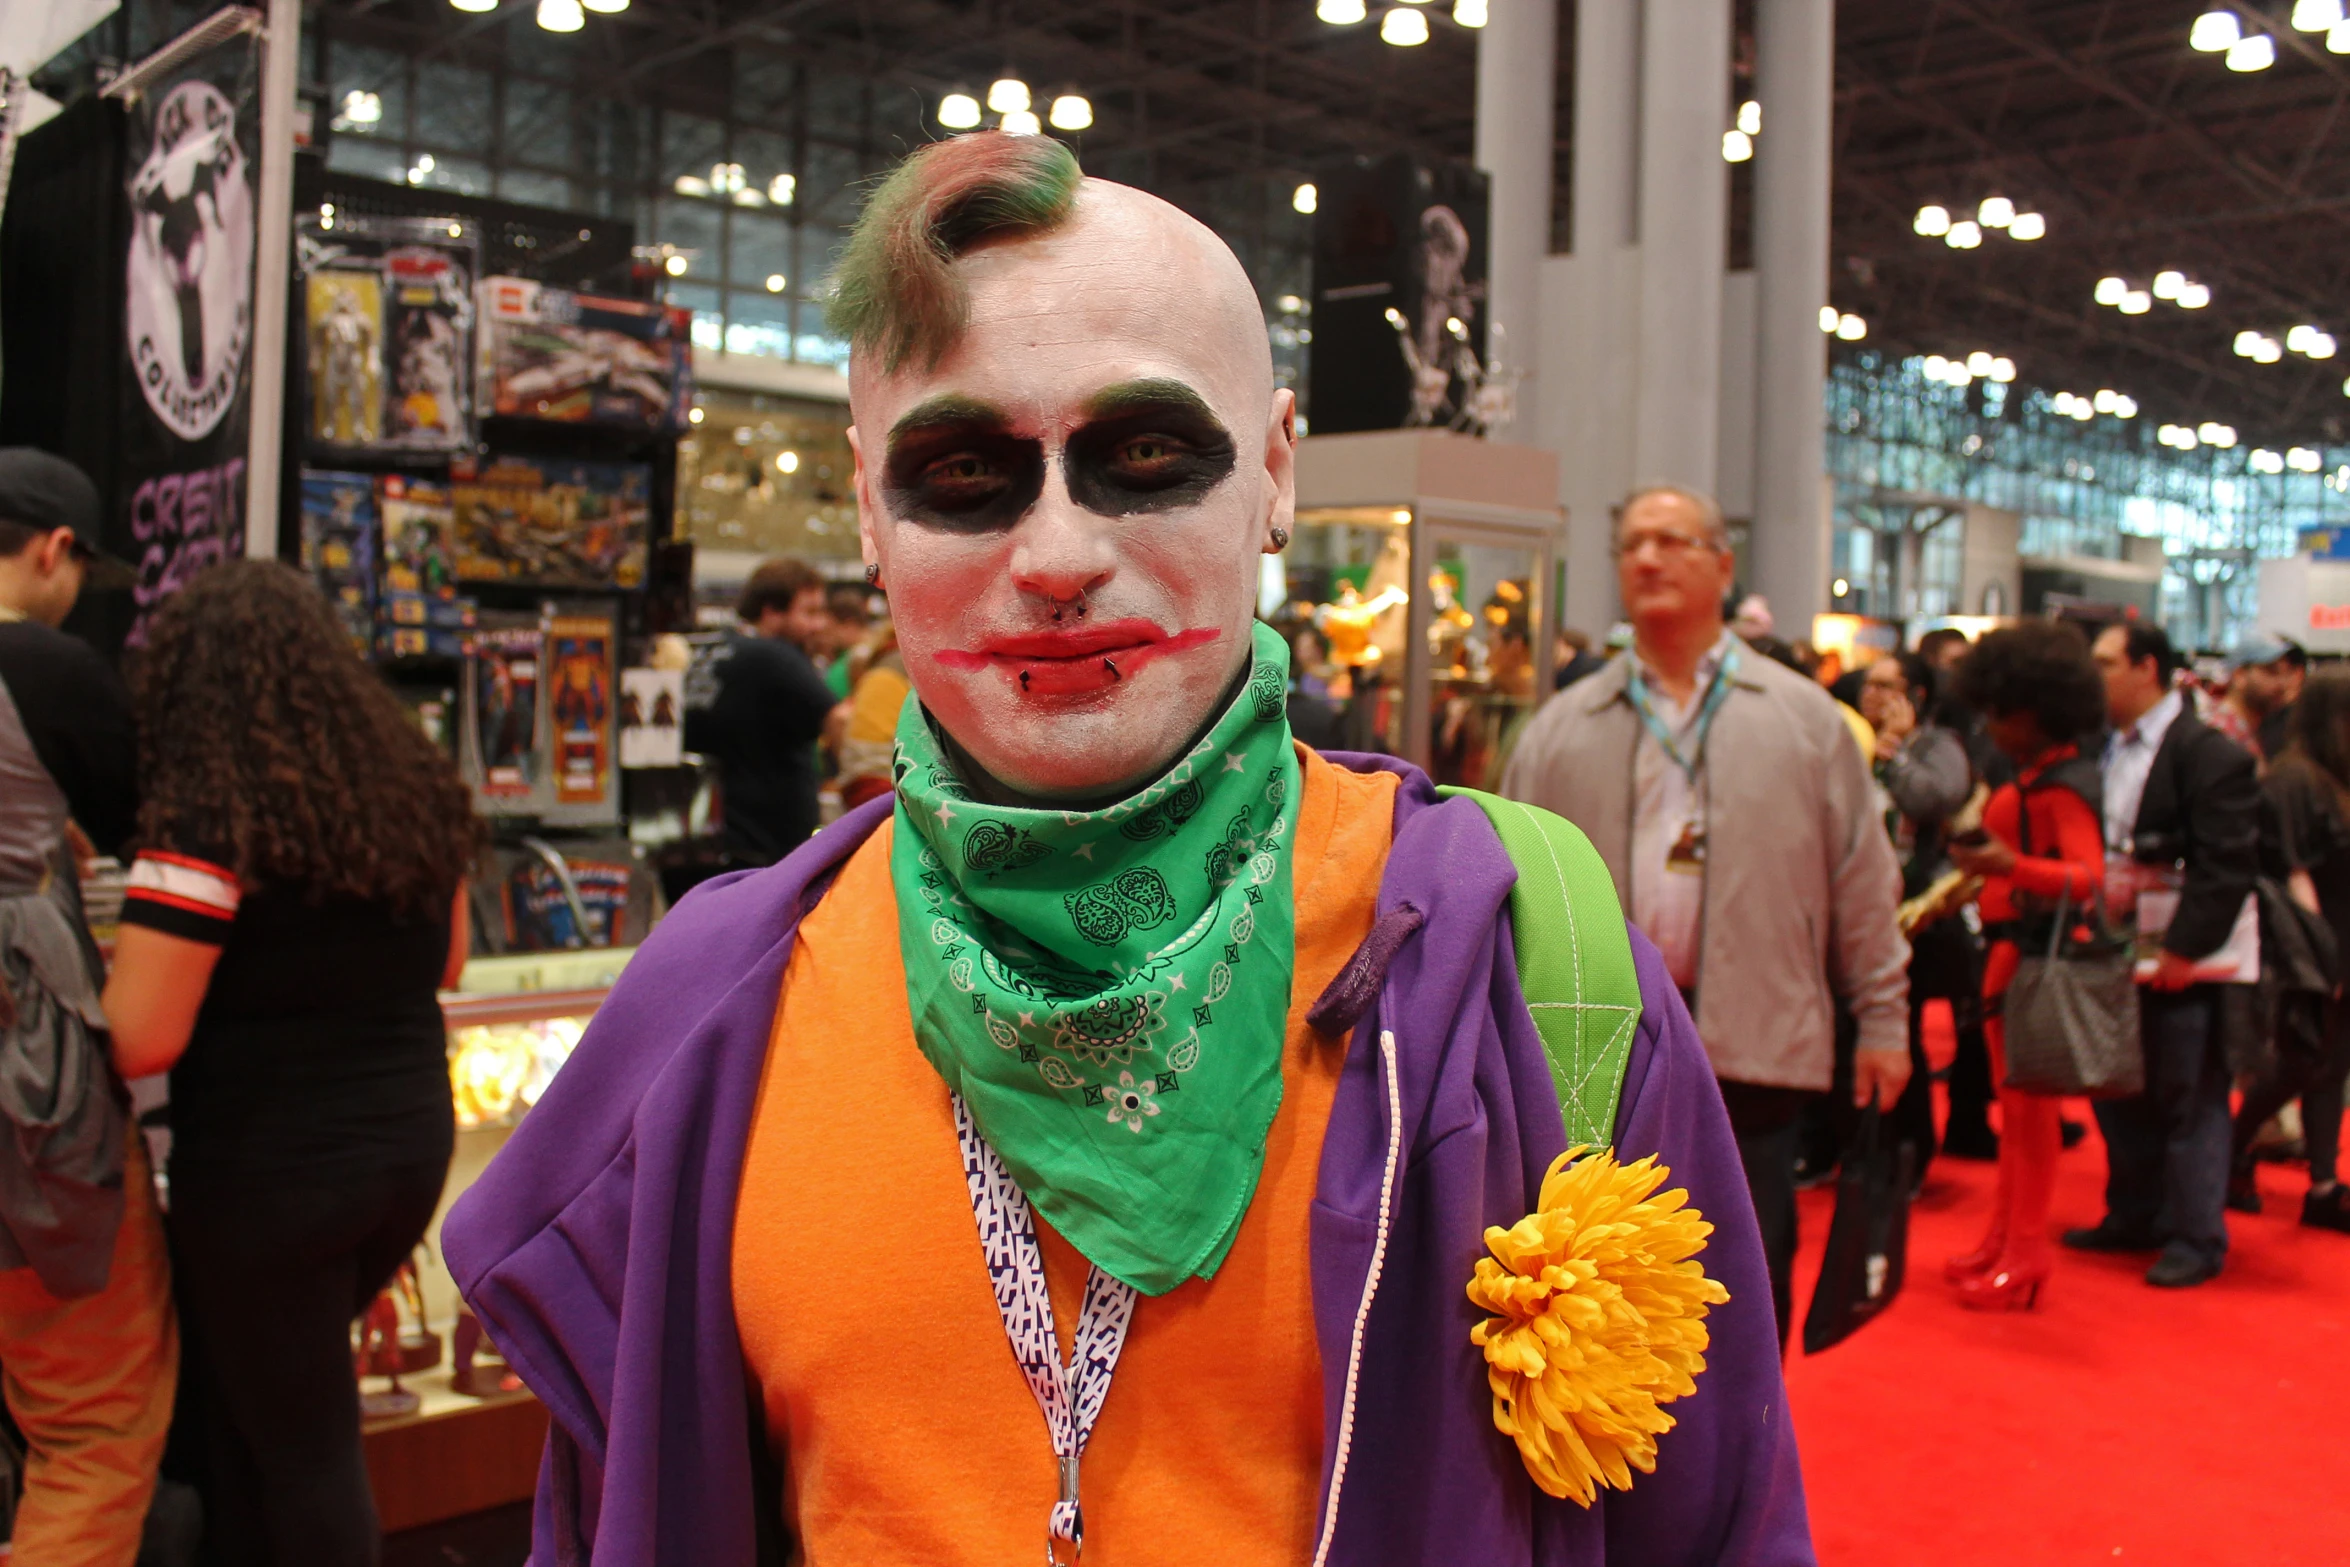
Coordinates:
[952,464]
[1148,446]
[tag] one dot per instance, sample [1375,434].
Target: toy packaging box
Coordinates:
[339,535]
[548,353]
[552,523]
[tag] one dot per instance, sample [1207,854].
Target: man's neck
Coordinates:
[1671,652]
[2254,712]
[2132,720]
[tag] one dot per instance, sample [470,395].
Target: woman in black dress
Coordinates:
[293,909]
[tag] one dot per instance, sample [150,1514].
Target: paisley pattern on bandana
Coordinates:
[1108,990]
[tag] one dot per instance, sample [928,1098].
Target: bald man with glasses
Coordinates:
[1740,825]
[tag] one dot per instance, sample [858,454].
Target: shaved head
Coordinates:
[1096,454]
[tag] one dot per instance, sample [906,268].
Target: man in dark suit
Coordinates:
[2182,811]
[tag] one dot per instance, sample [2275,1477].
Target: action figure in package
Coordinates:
[339,534]
[506,709]
[551,354]
[551,523]
[430,323]
[345,315]
[579,707]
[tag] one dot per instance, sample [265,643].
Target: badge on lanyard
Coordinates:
[1687,855]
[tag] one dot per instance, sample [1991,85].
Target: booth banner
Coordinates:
[188,320]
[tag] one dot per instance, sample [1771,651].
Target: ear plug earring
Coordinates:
[873,576]
[1280,538]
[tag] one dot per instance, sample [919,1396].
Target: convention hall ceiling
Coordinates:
[2142,154]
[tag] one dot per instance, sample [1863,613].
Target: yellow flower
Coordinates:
[1598,1319]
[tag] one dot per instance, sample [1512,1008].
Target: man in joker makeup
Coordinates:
[1096,1143]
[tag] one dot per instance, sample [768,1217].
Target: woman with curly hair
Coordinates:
[2044,841]
[293,909]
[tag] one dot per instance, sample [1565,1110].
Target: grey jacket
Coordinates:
[1801,886]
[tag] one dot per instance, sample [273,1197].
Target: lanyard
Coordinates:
[1716,692]
[1069,1397]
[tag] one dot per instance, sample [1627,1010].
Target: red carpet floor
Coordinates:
[2116,1423]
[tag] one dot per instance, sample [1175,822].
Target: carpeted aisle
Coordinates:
[2117,1422]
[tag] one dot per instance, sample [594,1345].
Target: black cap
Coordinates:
[44,493]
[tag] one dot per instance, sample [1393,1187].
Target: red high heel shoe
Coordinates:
[2007,1288]
[1981,1260]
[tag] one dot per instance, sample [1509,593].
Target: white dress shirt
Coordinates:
[2129,760]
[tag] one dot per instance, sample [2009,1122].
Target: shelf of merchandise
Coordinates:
[456,1454]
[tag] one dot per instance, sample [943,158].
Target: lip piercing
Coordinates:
[1023,679]
[1280,538]
[1113,669]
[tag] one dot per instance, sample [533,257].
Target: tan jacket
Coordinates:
[1801,884]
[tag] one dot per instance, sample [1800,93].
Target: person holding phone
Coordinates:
[2041,850]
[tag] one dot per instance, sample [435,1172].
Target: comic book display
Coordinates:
[547,353]
[552,523]
[339,531]
[579,707]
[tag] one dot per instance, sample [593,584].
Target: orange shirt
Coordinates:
[869,1325]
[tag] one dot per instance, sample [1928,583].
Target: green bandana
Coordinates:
[1108,990]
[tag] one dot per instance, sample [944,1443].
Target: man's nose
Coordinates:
[1059,549]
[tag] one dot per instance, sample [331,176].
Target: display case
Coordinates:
[1417,592]
[461,1442]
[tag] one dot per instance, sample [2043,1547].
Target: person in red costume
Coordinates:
[2041,697]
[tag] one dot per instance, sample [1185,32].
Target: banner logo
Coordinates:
[190,282]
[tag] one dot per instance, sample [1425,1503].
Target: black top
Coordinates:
[2308,832]
[320,1048]
[2276,730]
[2201,811]
[759,716]
[79,719]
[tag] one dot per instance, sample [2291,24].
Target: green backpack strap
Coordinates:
[1574,960]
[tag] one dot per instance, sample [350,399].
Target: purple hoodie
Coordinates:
[598,1247]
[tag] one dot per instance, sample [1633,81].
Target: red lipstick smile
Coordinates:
[1079,661]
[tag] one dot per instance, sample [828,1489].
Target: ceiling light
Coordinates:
[1305,198]
[674,265]
[2003,370]
[2222,436]
[1008,95]
[2338,38]
[1978,363]
[1964,235]
[2214,31]
[1829,318]
[1931,221]
[2027,226]
[2321,345]
[1737,146]
[783,188]
[2194,296]
[2303,460]
[2084,410]
[606,7]
[787,462]
[1071,112]
[2261,459]
[1290,304]
[2317,16]
[1935,366]
[1750,117]
[1996,212]
[2103,401]
[750,198]
[2136,302]
[362,108]
[2167,284]
[1469,13]
[2110,291]
[726,177]
[2125,406]
[1019,122]
[958,111]
[1851,328]
[2247,343]
[2062,403]
[2267,351]
[561,16]
[696,415]
[476,6]
[2256,53]
[1339,13]
[1404,29]
[776,282]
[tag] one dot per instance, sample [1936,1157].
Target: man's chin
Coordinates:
[1095,754]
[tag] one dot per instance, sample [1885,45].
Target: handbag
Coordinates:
[1868,1240]
[2072,1008]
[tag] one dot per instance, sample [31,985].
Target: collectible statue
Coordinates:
[1368,1200]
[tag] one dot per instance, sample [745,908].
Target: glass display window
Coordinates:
[768,474]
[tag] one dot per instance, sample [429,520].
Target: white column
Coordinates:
[1683,208]
[1591,361]
[1517,79]
[273,255]
[1795,82]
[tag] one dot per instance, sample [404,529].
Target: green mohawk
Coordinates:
[896,294]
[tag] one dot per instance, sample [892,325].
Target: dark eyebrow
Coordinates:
[1133,397]
[946,409]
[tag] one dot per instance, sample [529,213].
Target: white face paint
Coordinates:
[1067,510]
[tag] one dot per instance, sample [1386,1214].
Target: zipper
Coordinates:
[1354,1348]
